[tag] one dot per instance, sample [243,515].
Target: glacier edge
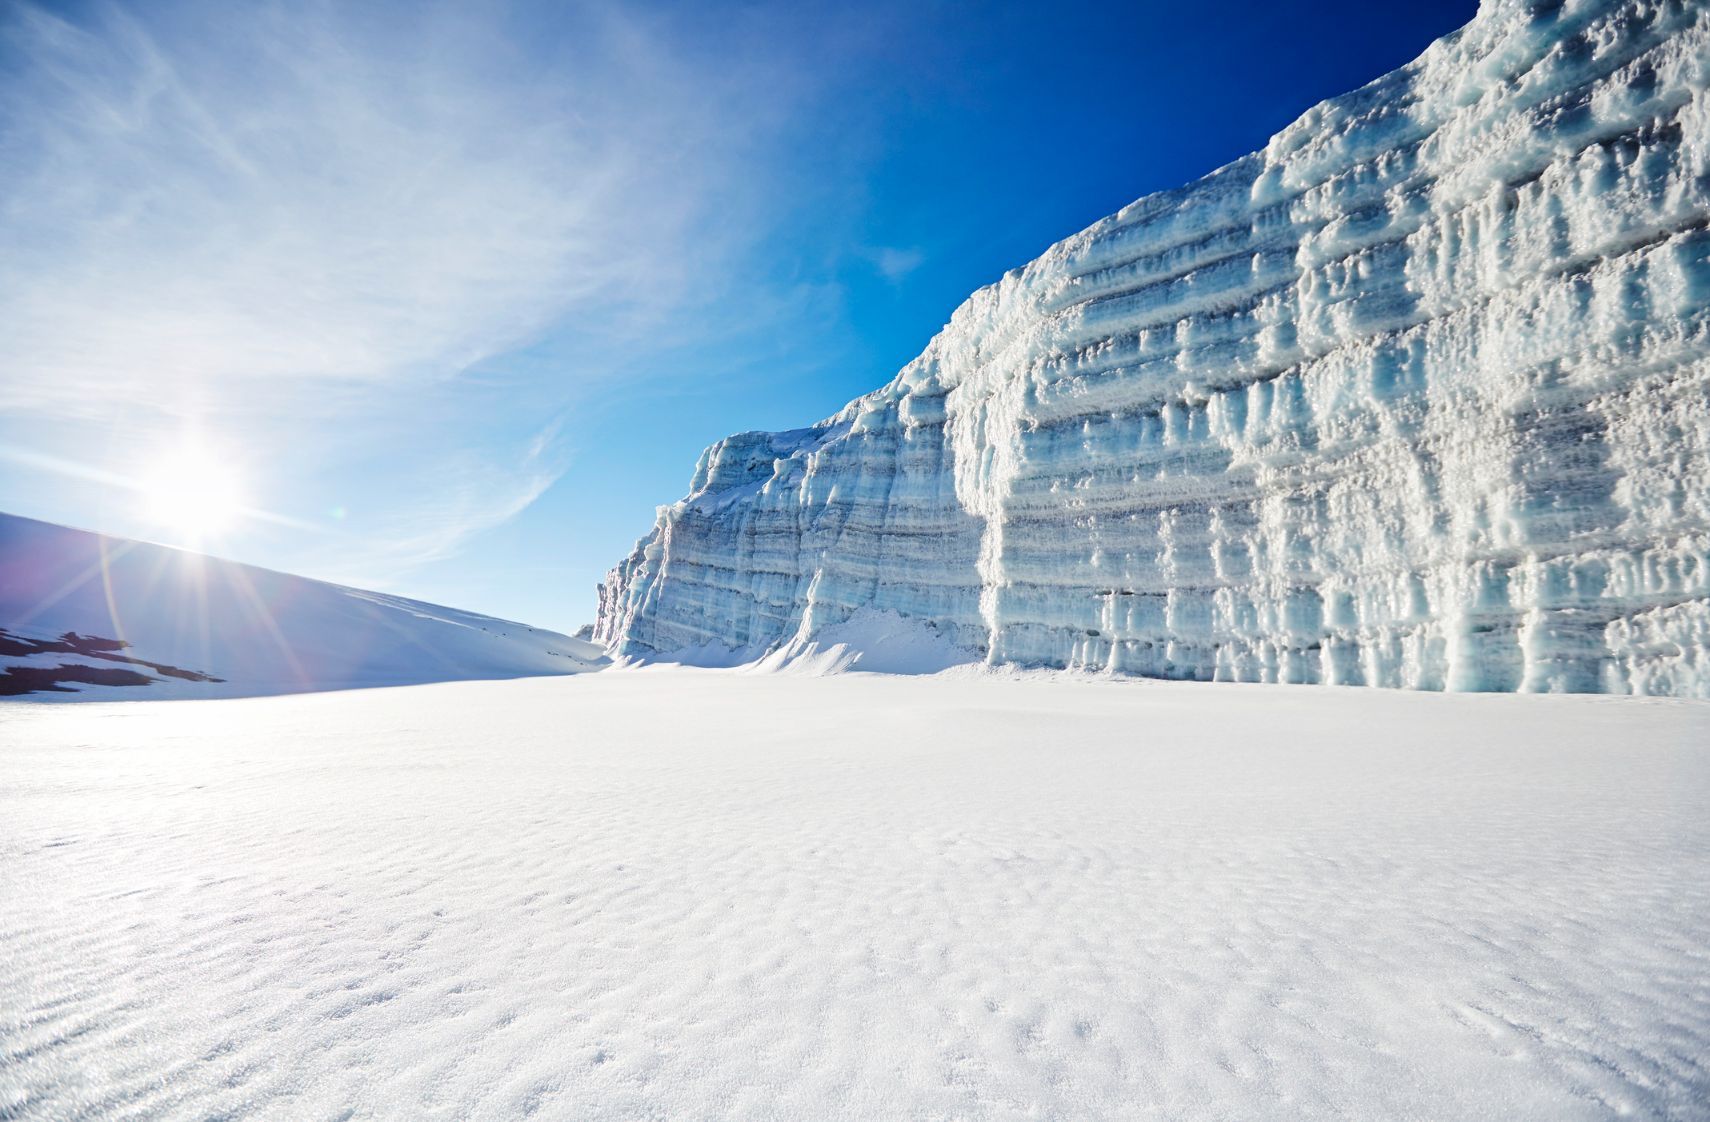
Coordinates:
[1416,396]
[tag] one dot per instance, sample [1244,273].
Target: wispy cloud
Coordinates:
[465,496]
[894,262]
[281,218]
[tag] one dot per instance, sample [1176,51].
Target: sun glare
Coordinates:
[194,493]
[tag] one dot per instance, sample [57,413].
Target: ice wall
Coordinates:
[1417,396]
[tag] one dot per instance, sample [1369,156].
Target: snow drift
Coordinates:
[1415,396]
[88,615]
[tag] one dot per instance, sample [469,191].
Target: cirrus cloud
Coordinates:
[279,221]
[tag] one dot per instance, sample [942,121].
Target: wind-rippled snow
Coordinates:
[701,894]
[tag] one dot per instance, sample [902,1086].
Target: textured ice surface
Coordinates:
[700,894]
[252,630]
[1419,395]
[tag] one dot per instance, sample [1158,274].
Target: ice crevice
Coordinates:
[1416,396]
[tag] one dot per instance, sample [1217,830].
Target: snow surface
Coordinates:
[256,631]
[870,640]
[1418,395]
[688,894]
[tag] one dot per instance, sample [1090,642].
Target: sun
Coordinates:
[194,493]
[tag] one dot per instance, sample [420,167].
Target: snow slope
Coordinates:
[699,894]
[158,622]
[1418,395]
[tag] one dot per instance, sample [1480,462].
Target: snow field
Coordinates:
[700,894]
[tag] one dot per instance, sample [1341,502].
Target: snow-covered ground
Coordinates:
[674,893]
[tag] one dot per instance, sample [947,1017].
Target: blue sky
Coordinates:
[453,295]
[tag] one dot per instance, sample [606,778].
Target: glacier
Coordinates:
[1416,396]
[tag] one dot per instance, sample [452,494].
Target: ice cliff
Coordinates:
[1417,396]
